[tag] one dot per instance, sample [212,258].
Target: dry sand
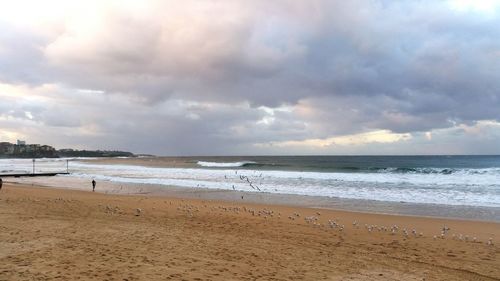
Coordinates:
[48,234]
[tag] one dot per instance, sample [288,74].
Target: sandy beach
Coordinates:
[49,234]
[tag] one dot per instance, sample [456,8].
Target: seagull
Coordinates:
[445,229]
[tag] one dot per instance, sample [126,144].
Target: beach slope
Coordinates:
[50,234]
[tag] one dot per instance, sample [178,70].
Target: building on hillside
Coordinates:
[23,150]
[32,148]
[6,148]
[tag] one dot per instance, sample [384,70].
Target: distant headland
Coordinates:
[23,150]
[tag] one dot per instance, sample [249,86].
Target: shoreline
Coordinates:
[55,233]
[474,213]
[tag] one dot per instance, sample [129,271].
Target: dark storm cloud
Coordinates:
[172,76]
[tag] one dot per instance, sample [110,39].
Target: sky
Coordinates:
[229,77]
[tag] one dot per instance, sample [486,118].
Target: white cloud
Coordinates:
[488,7]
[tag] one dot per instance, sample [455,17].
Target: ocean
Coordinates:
[445,180]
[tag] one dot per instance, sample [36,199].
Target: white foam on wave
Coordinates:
[472,189]
[443,171]
[224,164]
[25,165]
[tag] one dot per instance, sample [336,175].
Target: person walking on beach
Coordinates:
[93,185]
[1,182]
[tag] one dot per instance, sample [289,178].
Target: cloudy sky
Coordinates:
[227,77]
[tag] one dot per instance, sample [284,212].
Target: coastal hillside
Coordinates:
[23,150]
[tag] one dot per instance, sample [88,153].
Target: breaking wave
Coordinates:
[442,171]
[225,164]
[445,185]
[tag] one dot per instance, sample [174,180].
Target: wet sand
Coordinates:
[357,205]
[49,234]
